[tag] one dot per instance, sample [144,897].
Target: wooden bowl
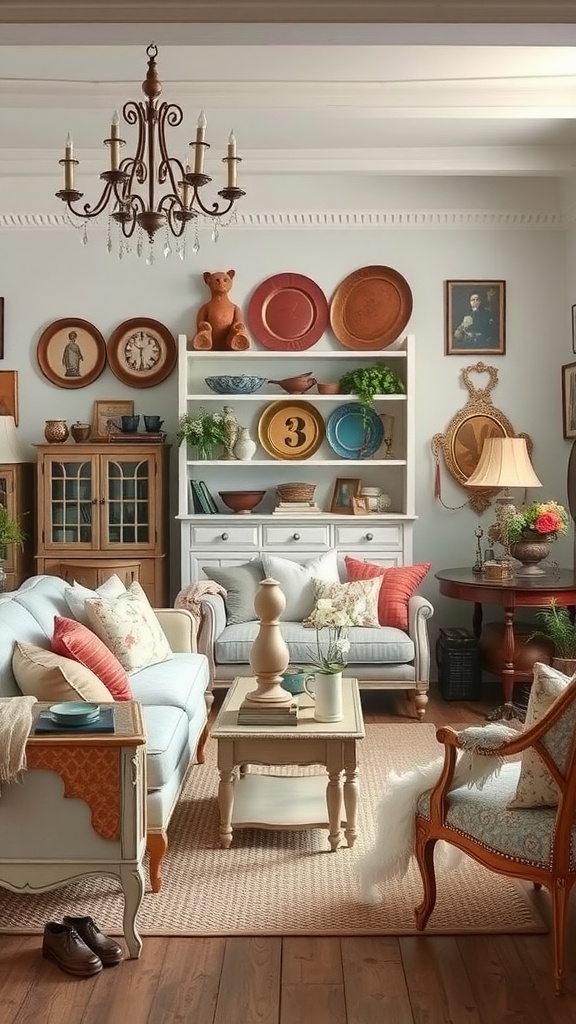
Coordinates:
[241,502]
[296,385]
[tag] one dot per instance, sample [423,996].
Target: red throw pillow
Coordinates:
[74,640]
[399,584]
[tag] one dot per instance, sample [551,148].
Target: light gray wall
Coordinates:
[48,274]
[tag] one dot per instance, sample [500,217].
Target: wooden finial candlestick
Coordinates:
[269,656]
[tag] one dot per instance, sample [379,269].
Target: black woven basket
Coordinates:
[458,661]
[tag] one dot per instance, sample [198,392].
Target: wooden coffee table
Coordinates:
[264,800]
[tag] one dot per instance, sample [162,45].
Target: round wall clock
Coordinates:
[142,352]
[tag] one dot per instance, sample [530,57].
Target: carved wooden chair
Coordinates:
[537,844]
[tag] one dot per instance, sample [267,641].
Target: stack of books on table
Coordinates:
[268,714]
[296,508]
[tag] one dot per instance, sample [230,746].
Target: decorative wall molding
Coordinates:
[289,11]
[397,219]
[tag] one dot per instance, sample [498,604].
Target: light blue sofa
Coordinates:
[175,696]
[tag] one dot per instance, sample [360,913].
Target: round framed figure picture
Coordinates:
[71,353]
[142,352]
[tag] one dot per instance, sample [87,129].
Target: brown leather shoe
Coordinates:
[107,949]
[63,945]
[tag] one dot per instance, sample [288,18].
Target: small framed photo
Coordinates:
[344,490]
[106,414]
[360,505]
[475,318]
[573,329]
[569,400]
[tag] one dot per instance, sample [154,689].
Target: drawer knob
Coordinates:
[296,536]
[369,536]
[225,536]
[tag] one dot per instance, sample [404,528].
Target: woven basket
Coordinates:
[296,492]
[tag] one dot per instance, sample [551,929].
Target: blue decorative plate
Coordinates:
[354,432]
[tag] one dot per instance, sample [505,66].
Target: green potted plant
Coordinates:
[368,381]
[202,431]
[558,627]
[10,533]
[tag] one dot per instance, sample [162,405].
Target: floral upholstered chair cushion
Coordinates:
[536,787]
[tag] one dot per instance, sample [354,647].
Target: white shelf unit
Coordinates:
[228,539]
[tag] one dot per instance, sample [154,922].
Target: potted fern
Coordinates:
[368,381]
[558,627]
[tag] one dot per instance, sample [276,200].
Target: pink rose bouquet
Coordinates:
[547,518]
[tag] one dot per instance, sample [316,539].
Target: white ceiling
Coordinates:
[379,98]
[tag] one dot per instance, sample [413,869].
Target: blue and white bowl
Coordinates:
[240,385]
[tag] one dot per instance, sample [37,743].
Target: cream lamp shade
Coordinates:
[10,447]
[504,462]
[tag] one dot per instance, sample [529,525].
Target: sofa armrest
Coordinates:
[180,628]
[212,623]
[419,611]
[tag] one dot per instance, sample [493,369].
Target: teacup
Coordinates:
[129,424]
[293,680]
[153,423]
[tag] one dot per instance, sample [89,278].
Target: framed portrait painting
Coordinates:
[475,318]
[345,489]
[569,400]
[71,353]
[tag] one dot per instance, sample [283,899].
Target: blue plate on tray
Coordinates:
[354,432]
[74,713]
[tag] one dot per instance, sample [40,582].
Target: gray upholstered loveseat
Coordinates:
[381,658]
[175,696]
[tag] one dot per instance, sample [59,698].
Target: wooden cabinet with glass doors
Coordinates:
[105,504]
[16,495]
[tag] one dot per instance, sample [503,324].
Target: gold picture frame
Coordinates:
[360,505]
[105,410]
[345,489]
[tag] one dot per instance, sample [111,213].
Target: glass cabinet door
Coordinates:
[8,501]
[128,512]
[71,515]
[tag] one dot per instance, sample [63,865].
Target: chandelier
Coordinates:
[151,190]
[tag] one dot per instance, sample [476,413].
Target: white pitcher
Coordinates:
[327,696]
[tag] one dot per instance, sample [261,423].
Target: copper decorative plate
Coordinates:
[288,313]
[370,308]
[291,430]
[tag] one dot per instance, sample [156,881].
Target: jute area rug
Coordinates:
[286,883]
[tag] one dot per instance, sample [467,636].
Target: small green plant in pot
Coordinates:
[557,626]
[10,533]
[202,431]
[368,381]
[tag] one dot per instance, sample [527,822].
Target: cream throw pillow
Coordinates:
[536,787]
[356,603]
[48,676]
[77,595]
[128,626]
[297,580]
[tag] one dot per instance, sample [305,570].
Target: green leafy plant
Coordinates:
[368,381]
[10,531]
[202,431]
[558,627]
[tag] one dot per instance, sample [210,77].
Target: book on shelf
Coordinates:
[152,436]
[291,509]
[200,497]
[296,504]
[269,716]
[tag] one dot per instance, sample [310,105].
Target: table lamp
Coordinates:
[504,462]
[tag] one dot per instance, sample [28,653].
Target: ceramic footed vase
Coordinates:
[245,447]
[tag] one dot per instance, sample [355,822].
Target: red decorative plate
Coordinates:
[288,313]
[370,308]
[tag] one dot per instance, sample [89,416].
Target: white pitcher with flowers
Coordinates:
[332,645]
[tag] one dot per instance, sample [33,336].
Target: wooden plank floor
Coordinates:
[414,980]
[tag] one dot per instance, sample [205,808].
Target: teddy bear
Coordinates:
[219,322]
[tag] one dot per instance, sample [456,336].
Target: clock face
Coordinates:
[142,352]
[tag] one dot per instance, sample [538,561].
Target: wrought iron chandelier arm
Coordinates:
[87,210]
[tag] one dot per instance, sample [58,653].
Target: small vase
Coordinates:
[56,431]
[245,447]
[327,694]
[204,452]
[531,549]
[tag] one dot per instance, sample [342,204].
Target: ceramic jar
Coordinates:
[56,431]
[80,431]
[245,447]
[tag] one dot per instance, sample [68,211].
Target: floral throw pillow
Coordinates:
[355,604]
[536,787]
[129,627]
[400,582]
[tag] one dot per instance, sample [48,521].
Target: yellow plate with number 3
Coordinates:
[291,430]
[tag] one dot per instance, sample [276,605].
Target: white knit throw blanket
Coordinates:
[15,725]
[393,852]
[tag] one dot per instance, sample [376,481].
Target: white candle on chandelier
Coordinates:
[68,165]
[231,160]
[186,190]
[199,144]
[115,142]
